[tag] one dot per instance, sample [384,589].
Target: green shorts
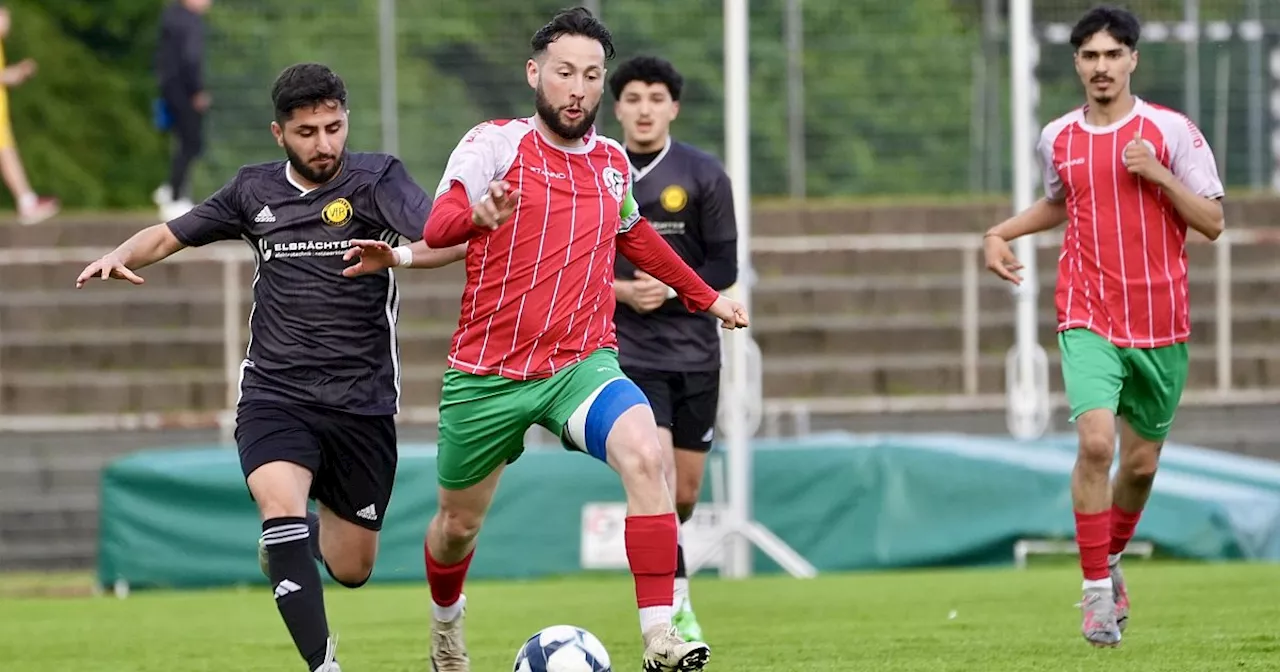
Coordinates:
[483,419]
[1142,385]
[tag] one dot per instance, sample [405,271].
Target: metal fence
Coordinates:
[847,98]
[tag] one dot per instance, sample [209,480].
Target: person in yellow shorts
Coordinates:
[32,209]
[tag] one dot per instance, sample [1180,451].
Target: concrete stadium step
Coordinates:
[897,263]
[171,349]
[78,230]
[780,336]
[29,475]
[153,306]
[942,292]
[159,390]
[943,373]
[789,218]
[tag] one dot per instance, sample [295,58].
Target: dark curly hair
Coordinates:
[650,70]
[575,21]
[306,85]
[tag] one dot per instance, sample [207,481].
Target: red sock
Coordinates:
[1122,526]
[1093,536]
[446,580]
[651,551]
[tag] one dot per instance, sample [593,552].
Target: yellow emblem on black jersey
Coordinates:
[674,198]
[337,213]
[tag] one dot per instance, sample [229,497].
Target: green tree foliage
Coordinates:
[83,123]
[888,86]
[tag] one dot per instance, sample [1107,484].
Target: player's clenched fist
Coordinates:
[731,313]
[1140,160]
[496,206]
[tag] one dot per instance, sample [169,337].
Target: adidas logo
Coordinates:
[368,513]
[265,216]
[285,587]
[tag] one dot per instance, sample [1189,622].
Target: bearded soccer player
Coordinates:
[544,205]
[672,354]
[320,384]
[1129,177]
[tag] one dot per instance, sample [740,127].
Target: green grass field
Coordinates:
[1186,618]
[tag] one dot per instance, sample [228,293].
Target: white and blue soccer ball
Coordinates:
[563,648]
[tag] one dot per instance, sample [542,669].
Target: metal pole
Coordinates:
[793,25]
[1026,383]
[993,179]
[1253,35]
[969,320]
[232,354]
[1191,79]
[738,166]
[387,64]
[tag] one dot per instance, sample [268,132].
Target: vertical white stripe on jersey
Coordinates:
[542,243]
[1168,273]
[568,255]
[1117,152]
[1146,256]
[502,294]
[1072,260]
[595,306]
[393,315]
[1097,249]
[253,291]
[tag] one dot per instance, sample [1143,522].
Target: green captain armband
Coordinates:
[630,212]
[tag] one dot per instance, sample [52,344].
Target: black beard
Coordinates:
[310,174]
[551,117]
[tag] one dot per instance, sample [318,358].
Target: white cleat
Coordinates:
[666,651]
[448,646]
[330,663]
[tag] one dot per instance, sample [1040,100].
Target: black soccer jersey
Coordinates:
[316,337]
[686,196]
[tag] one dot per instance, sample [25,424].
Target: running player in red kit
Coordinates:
[544,205]
[1129,178]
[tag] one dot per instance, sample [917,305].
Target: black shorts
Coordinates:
[685,403]
[352,457]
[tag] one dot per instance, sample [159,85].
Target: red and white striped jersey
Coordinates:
[1122,272]
[539,293]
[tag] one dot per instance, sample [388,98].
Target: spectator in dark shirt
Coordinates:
[180,74]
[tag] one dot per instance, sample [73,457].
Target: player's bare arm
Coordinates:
[1043,215]
[373,256]
[1202,214]
[144,248]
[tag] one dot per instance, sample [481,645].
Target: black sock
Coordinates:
[299,593]
[313,526]
[680,571]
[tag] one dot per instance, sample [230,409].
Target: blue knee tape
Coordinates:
[614,399]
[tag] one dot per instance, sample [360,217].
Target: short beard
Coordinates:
[551,117]
[310,174]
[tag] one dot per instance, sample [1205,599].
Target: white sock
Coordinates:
[450,613]
[1100,584]
[654,616]
[1113,559]
[27,201]
[682,600]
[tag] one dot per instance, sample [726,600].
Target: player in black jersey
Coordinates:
[320,384]
[671,353]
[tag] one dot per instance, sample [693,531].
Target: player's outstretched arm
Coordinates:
[374,256]
[645,248]
[144,248]
[1043,215]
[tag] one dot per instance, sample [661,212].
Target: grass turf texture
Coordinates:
[1185,617]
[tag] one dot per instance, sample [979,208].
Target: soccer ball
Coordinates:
[563,648]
